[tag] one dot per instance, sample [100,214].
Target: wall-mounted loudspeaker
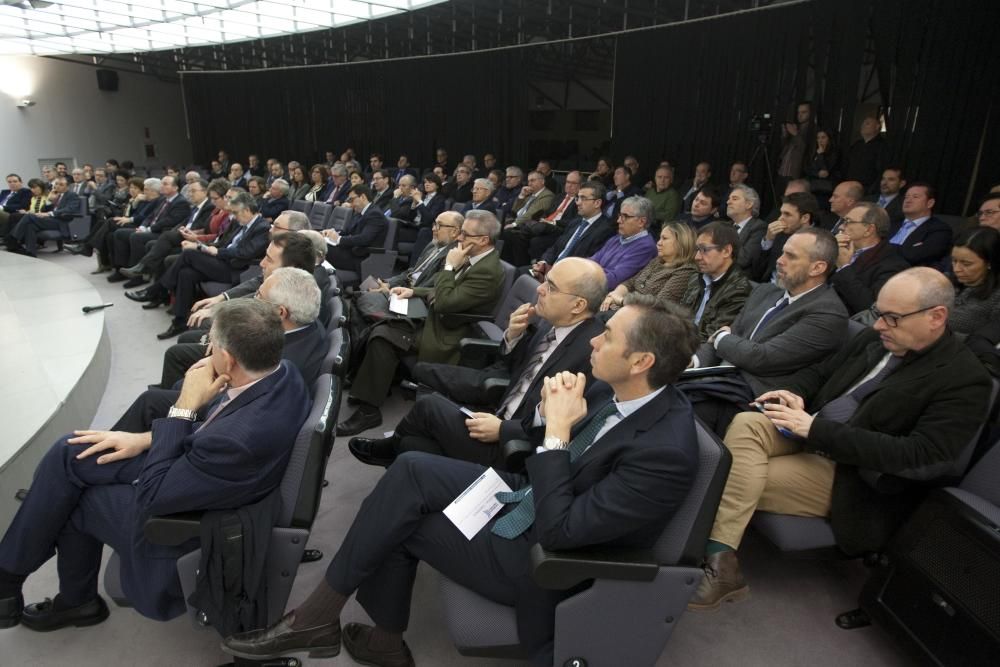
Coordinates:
[107,79]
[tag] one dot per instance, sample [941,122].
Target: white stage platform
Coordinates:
[54,365]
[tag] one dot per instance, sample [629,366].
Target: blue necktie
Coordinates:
[573,239]
[519,519]
[904,231]
[769,314]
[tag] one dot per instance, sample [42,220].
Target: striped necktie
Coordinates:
[527,376]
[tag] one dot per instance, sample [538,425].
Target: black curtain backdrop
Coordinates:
[685,93]
[470,103]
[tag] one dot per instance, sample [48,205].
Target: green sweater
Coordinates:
[666,204]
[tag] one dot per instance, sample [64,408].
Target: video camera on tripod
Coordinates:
[760,125]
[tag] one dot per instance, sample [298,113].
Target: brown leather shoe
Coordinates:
[322,641]
[356,637]
[723,582]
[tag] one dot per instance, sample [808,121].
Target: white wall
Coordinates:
[72,118]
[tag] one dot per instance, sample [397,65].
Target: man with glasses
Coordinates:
[989,211]
[482,197]
[902,399]
[568,299]
[470,282]
[624,254]
[582,237]
[532,238]
[509,190]
[865,260]
[716,295]
[381,190]
[366,228]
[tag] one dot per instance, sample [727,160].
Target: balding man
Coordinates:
[845,197]
[531,238]
[865,260]
[902,399]
[567,301]
[403,207]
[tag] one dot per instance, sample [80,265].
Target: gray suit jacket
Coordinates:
[750,237]
[805,332]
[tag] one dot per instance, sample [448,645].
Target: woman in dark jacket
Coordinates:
[975,264]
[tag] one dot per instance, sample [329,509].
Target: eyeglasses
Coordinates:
[987,212]
[627,216]
[438,225]
[892,319]
[467,235]
[705,249]
[582,198]
[552,289]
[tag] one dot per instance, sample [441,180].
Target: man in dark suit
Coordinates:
[798,211]
[130,244]
[624,188]
[381,190]
[865,261]
[482,197]
[582,237]
[14,198]
[902,400]
[567,302]
[97,488]
[743,207]
[366,228]
[237,179]
[716,295]
[691,187]
[470,282]
[866,157]
[402,207]
[287,250]
[223,261]
[337,189]
[403,168]
[23,238]
[922,239]
[459,189]
[890,194]
[844,197]
[625,464]
[531,238]
[783,327]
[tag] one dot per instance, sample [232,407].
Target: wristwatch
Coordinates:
[181,413]
[554,443]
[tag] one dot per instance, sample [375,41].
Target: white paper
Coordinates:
[475,506]
[397,305]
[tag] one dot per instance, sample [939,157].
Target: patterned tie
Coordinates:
[159,212]
[842,408]
[519,519]
[527,376]
[555,215]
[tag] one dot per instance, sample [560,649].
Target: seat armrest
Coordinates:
[479,346]
[560,570]
[491,331]
[470,318]
[173,529]
[515,452]
[494,389]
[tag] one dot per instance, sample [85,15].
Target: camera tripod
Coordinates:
[761,149]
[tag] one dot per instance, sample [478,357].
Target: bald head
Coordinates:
[913,307]
[573,291]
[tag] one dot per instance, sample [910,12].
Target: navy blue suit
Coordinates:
[360,233]
[77,506]
[25,232]
[927,245]
[15,202]
[619,493]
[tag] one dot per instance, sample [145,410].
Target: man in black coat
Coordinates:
[583,237]
[865,260]
[611,473]
[366,229]
[23,238]
[798,211]
[15,197]
[922,238]
[902,400]
[567,302]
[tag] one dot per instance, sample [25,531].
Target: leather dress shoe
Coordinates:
[723,582]
[78,249]
[47,615]
[10,610]
[101,268]
[116,277]
[374,451]
[322,641]
[135,282]
[355,638]
[153,304]
[134,271]
[140,295]
[364,418]
[174,330]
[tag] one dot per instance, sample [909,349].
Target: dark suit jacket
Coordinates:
[805,332]
[251,247]
[401,208]
[488,205]
[69,206]
[461,193]
[592,240]
[765,261]
[919,418]
[399,173]
[620,493]
[750,237]
[858,283]
[615,202]
[927,245]
[272,208]
[18,201]
[430,211]
[306,349]
[237,459]
[174,215]
[364,231]
[382,201]
[894,210]
[204,217]
[427,276]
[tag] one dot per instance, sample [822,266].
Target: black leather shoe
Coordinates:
[140,295]
[355,637]
[116,277]
[374,451]
[174,330]
[135,282]
[364,418]
[134,271]
[153,304]
[47,615]
[322,641]
[10,611]
[78,249]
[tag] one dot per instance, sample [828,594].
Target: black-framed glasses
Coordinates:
[437,225]
[892,319]
[705,249]
[627,216]
[467,235]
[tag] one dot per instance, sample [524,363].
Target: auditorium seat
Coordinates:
[338,354]
[75,229]
[338,218]
[478,350]
[300,491]
[380,262]
[319,215]
[627,615]
[302,206]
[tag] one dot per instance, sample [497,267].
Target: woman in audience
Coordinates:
[355,177]
[822,166]
[320,177]
[429,205]
[216,171]
[299,185]
[604,173]
[257,186]
[975,263]
[119,200]
[217,198]
[667,275]
[497,177]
